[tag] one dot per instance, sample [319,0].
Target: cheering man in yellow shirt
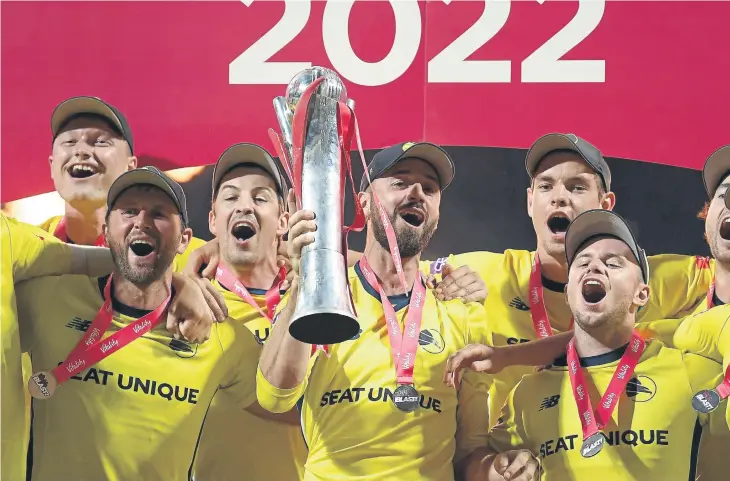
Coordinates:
[248,219]
[372,407]
[614,403]
[116,396]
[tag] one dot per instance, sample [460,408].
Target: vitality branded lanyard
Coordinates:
[273,295]
[711,296]
[60,234]
[91,349]
[593,421]
[403,344]
[538,311]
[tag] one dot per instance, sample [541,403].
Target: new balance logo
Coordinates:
[79,324]
[180,346]
[518,303]
[549,402]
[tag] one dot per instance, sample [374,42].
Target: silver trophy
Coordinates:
[324,313]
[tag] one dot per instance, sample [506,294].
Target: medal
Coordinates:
[92,349]
[403,344]
[406,398]
[706,401]
[592,445]
[42,385]
[593,421]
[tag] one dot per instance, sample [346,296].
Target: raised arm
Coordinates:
[284,362]
[491,360]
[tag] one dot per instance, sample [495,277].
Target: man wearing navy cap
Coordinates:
[364,415]
[615,402]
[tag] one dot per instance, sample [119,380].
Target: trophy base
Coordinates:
[325,327]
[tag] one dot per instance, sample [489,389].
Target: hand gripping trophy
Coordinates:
[317,125]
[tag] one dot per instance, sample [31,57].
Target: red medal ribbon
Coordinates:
[403,345]
[711,296]
[538,311]
[60,234]
[273,296]
[90,349]
[594,421]
[723,389]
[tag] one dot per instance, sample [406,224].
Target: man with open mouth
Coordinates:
[703,284]
[371,407]
[632,419]
[92,146]
[525,300]
[248,218]
[116,395]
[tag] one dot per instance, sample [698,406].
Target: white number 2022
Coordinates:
[448,66]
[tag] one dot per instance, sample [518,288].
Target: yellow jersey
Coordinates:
[678,285]
[707,333]
[235,441]
[653,435]
[27,252]
[350,424]
[177,264]
[137,414]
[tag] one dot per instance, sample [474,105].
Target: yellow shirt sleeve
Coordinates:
[272,398]
[34,252]
[242,357]
[678,283]
[706,334]
[178,264]
[509,432]
[472,415]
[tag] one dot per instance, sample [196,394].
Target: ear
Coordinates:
[283,226]
[565,293]
[187,234]
[641,297]
[364,199]
[105,233]
[50,160]
[529,201]
[132,163]
[609,201]
[211,221]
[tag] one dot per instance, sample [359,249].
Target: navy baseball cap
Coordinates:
[243,154]
[426,151]
[150,176]
[716,168]
[75,106]
[552,142]
[598,223]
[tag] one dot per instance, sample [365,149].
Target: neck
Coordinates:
[258,275]
[382,265]
[83,226]
[147,297]
[722,281]
[603,339]
[554,268]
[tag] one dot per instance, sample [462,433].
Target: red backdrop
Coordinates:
[654,87]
